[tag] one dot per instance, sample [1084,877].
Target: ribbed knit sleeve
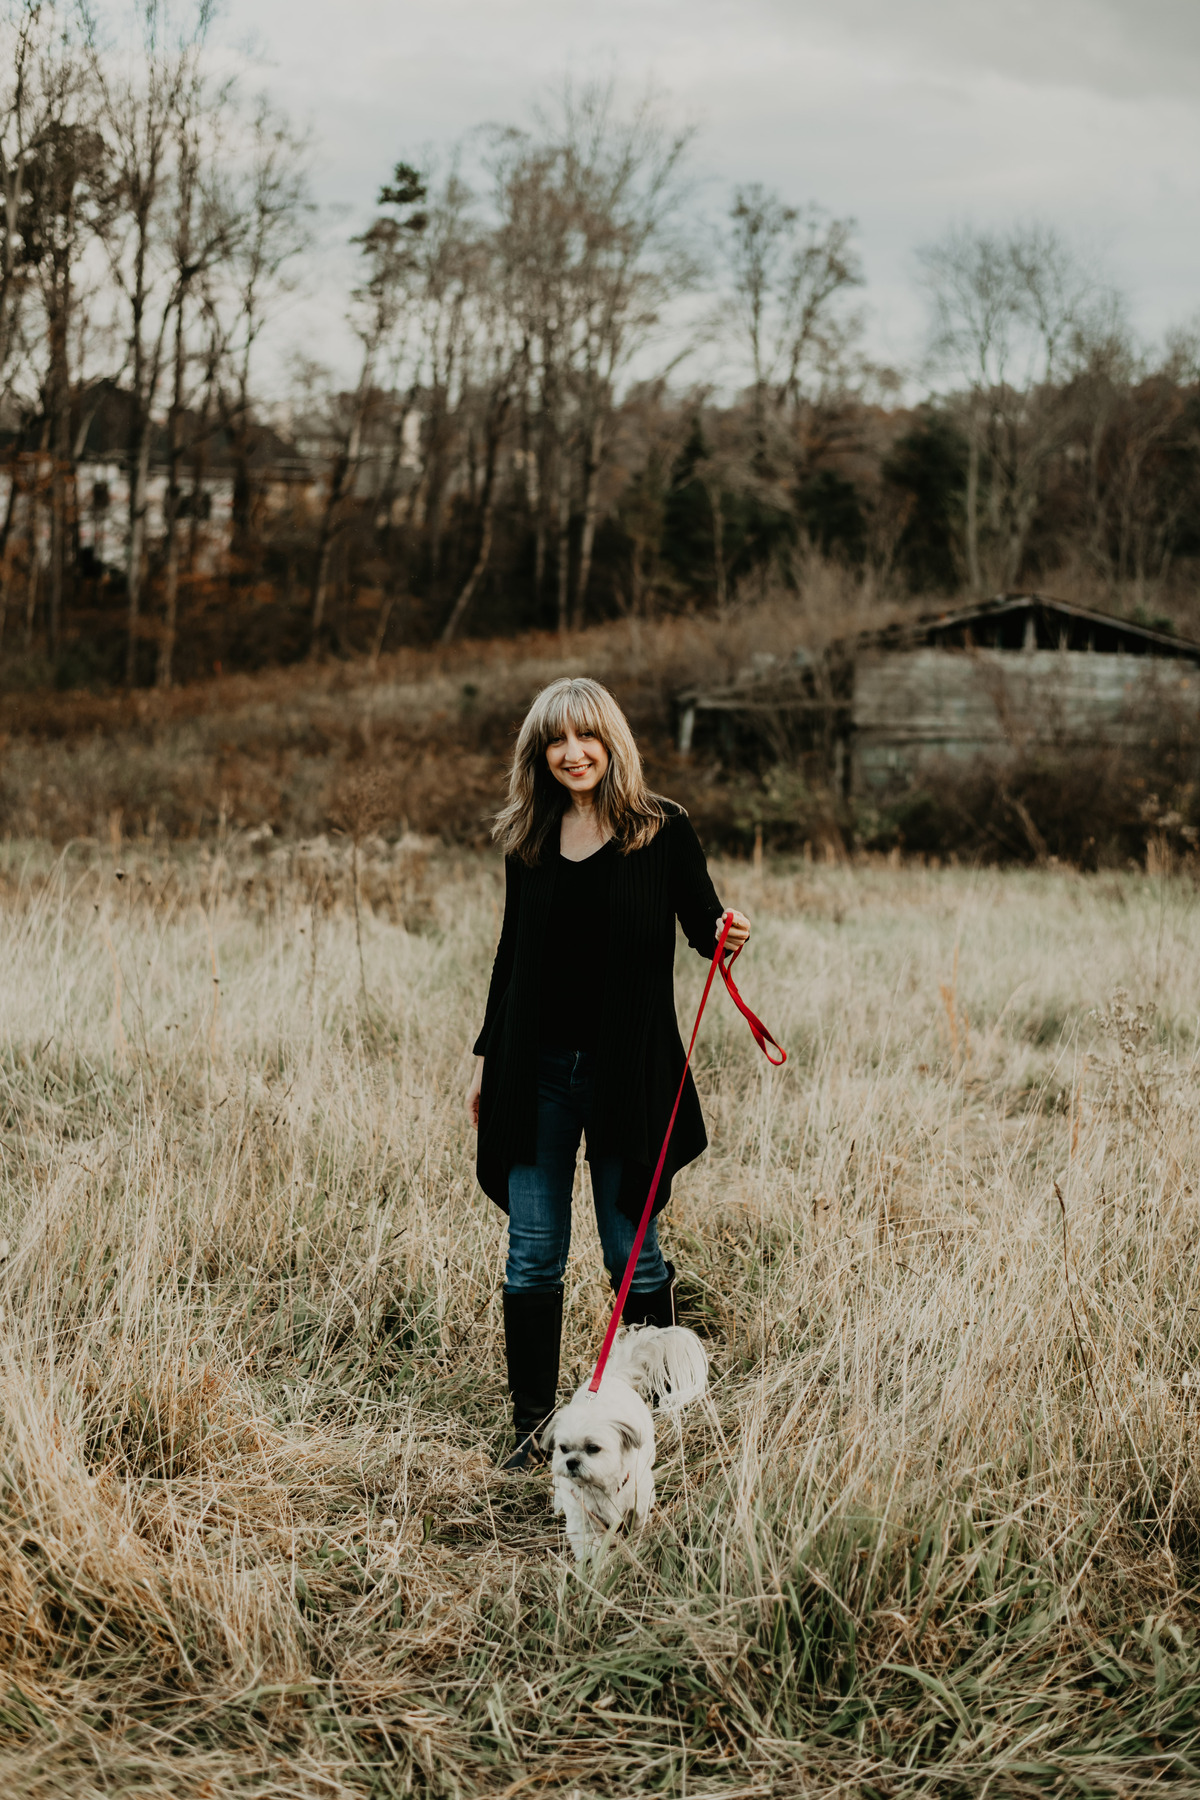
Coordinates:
[693,895]
[502,967]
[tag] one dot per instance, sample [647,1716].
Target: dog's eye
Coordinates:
[591,1449]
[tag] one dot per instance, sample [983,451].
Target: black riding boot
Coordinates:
[655,1308]
[532,1335]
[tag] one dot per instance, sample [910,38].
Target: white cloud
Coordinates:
[1122,48]
[908,114]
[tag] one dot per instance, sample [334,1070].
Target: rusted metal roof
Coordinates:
[1013,622]
[1003,623]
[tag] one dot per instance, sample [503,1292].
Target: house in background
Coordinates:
[998,680]
[209,467]
[278,475]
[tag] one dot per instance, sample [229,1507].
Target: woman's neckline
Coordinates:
[591,853]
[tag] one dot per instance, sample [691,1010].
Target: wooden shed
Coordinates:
[996,680]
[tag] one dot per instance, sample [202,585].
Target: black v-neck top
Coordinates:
[575,953]
[639,1055]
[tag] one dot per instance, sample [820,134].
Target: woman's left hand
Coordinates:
[739,928]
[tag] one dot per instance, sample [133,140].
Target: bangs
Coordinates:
[576,711]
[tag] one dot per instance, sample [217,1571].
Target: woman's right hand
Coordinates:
[473,1093]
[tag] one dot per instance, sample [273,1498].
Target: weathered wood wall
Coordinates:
[915,707]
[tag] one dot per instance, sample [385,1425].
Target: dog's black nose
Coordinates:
[572,1465]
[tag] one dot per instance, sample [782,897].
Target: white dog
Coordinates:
[603,1443]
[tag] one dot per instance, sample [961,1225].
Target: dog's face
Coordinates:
[594,1444]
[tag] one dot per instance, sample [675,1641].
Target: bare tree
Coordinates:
[64,208]
[21,122]
[651,430]
[28,120]
[623,181]
[267,202]
[206,237]
[1013,314]
[379,304]
[448,266]
[534,239]
[1139,443]
[142,107]
[788,267]
[495,358]
[589,216]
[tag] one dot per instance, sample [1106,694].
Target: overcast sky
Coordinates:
[910,115]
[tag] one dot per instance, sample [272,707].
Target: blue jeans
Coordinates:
[539,1194]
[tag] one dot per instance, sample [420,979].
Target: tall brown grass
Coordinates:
[937,1532]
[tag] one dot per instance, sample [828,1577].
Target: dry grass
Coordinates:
[433,728]
[938,1531]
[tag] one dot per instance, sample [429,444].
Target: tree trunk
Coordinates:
[237,424]
[974,575]
[385,614]
[60,448]
[639,585]
[1123,537]
[5,534]
[320,589]
[329,526]
[563,538]
[591,501]
[198,471]
[1023,514]
[329,522]
[138,453]
[166,644]
[58,552]
[139,471]
[385,501]
[233,411]
[544,469]
[1097,511]
[165,670]
[341,480]
[242,507]
[539,556]
[458,611]
[718,517]
[31,585]
[435,483]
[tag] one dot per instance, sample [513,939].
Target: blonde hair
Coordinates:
[625,807]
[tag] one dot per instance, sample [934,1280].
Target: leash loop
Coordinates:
[762,1038]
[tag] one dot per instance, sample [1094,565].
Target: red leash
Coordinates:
[762,1038]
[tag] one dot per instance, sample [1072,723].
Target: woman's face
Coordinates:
[578,760]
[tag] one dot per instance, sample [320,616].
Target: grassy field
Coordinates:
[938,1531]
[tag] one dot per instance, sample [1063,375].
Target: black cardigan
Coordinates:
[639,1056]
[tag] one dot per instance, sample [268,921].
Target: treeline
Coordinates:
[574,398]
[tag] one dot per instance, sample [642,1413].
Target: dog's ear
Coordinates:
[547,1438]
[631,1438]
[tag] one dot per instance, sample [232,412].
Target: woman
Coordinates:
[580,1031]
